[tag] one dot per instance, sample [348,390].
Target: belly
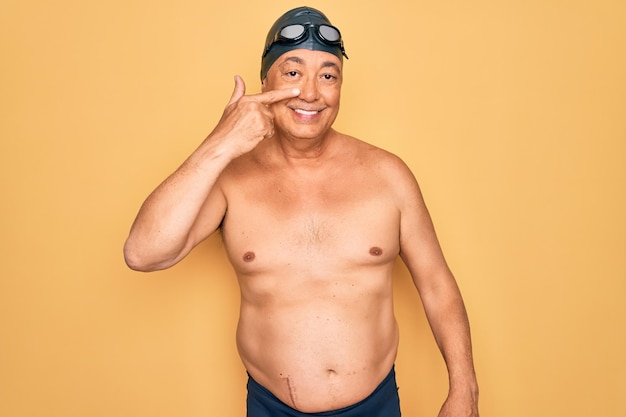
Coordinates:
[320,345]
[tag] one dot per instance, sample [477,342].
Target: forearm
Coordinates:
[450,325]
[163,231]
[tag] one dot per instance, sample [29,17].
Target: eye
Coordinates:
[291,75]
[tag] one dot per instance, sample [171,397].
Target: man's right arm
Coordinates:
[169,223]
[189,205]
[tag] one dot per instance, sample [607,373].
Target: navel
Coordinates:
[248,256]
[376,251]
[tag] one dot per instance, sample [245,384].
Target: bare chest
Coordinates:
[279,225]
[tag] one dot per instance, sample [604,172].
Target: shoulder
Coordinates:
[376,155]
[387,172]
[386,164]
[241,168]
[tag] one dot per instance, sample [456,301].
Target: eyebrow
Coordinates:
[329,64]
[295,59]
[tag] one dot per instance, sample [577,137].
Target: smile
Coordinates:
[306,112]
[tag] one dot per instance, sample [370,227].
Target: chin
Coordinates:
[308,130]
[307,134]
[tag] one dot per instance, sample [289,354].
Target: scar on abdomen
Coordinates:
[376,251]
[292,392]
[248,256]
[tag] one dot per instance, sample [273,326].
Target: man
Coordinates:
[312,221]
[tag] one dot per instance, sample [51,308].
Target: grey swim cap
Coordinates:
[318,35]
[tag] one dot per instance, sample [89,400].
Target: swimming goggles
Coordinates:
[297,33]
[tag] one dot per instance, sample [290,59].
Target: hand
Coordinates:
[247,120]
[458,406]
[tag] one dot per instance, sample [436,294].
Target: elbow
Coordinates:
[136,265]
[146,255]
[135,260]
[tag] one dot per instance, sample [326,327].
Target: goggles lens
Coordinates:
[294,33]
[329,33]
[291,32]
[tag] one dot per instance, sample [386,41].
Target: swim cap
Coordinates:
[312,39]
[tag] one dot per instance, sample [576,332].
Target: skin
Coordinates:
[312,221]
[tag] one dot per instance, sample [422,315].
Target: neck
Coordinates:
[304,149]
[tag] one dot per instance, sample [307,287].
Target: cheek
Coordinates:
[332,96]
[269,83]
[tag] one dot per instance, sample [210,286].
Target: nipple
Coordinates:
[248,256]
[376,251]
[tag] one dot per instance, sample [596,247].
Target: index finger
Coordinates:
[274,96]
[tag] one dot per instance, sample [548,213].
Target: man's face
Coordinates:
[318,75]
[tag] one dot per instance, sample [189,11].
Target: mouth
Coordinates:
[306,112]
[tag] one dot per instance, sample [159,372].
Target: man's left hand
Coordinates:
[460,406]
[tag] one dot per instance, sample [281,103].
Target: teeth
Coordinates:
[306,112]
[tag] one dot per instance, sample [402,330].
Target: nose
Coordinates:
[309,90]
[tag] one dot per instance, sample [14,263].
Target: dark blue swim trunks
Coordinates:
[383,402]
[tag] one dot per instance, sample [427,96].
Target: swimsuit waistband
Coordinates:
[383,402]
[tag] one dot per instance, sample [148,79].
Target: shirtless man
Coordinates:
[312,221]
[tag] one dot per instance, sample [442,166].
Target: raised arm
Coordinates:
[189,205]
[443,304]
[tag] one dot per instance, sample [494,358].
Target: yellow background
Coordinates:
[512,114]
